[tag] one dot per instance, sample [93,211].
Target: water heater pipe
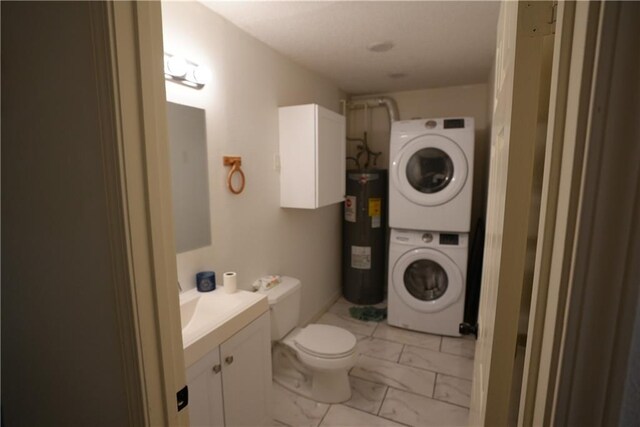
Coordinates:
[386,101]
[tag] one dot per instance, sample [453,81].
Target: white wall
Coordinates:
[456,101]
[251,234]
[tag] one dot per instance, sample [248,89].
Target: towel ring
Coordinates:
[235,163]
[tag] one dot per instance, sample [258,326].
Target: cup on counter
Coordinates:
[206,281]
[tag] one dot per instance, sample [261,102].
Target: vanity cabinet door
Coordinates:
[204,380]
[246,375]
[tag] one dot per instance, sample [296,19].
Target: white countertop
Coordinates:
[217,317]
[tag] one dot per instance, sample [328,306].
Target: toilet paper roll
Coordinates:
[229,280]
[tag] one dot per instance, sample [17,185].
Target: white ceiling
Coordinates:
[436,43]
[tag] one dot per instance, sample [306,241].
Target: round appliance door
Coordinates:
[427,280]
[430,170]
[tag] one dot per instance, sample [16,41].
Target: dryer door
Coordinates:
[427,280]
[430,170]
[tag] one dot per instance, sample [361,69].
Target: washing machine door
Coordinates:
[430,170]
[427,280]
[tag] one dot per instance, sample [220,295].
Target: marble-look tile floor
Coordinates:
[401,378]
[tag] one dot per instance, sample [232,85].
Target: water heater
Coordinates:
[364,236]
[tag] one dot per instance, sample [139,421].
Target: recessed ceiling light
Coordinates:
[380,46]
[397,75]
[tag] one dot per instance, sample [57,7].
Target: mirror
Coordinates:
[189,177]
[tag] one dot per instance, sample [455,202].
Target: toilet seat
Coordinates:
[325,341]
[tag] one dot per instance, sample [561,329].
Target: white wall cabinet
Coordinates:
[231,385]
[312,157]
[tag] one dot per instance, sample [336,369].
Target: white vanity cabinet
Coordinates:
[205,391]
[231,385]
[312,156]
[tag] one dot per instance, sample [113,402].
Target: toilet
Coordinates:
[323,352]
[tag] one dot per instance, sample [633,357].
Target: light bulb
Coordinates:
[177,66]
[200,75]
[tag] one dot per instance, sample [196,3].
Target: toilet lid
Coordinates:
[325,341]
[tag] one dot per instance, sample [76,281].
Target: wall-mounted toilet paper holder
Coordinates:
[235,163]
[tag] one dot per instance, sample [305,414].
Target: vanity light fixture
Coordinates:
[181,70]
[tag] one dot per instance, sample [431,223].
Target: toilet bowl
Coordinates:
[322,353]
[328,352]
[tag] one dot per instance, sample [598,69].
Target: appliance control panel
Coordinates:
[429,238]
[449,239]
[453,123]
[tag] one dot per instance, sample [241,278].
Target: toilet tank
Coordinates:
[284,304]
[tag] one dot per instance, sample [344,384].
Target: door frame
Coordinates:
[520,110]
[127,37]
[562,171]
[598,320]
[137,171]
[566,302]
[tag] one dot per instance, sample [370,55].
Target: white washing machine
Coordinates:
[431,174]
[427,276]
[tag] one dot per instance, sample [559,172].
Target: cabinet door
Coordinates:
[246,375]
[297,156]
[312,155]
[330,157]
[205,391]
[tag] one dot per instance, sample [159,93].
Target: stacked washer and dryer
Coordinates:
[430,188]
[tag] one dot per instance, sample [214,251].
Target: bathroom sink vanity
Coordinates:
[227,350]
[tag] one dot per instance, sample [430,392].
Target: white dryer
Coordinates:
[427,276]
[431,174]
